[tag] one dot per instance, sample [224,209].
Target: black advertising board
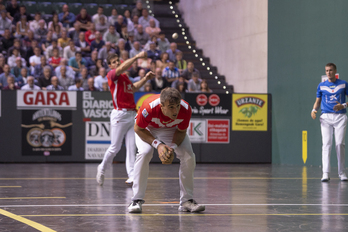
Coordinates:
[46,132]
[210,104]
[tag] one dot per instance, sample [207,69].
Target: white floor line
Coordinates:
[122,205]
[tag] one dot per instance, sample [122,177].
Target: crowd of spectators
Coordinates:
[69,52]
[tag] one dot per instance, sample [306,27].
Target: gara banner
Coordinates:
[209,104]
[250,112]
[46,132]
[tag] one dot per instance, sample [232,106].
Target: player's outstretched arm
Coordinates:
[136,86]
[125,65]
[315,108]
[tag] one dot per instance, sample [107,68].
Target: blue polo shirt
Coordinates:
[331,93]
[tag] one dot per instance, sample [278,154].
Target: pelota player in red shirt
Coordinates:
[161,123]
[122,116]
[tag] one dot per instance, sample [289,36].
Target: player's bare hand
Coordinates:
[165,153]
[338,107]
[149,75]
[314,114]
[142,54]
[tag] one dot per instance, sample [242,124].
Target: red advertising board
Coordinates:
[218,131]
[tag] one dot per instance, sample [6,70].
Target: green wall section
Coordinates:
[303,35]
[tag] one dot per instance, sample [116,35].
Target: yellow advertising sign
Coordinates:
[249,112]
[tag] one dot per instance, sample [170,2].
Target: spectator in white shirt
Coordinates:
[12,59]
[136,49]
[145,19]
[98,81]
[34,25]
[5,23]
[54,84]
[96,17]
[30,85]
[77,86]
[69,51]
[35,59]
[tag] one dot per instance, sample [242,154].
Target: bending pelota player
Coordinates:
[331,95]
[122,116]
[161,124]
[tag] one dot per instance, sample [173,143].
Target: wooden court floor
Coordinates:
[66,197]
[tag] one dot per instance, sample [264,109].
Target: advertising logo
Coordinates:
[214,100]
[201,99]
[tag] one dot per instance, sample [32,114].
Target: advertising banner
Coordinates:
[209,130]
[46,132]
[96,106]
[249,112]
[209,104]
[97,139]
[64,100]
[197,130]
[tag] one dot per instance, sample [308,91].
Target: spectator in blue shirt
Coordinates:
[173,51]
[97,44]
[77,62]
[171,73]
[66,18]
[153,53]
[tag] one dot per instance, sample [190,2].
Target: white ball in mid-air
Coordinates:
[175,35]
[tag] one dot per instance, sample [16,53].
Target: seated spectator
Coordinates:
[35,59]
[163,43]
[138,9]
[2,63]
[97,44]
[11,84]
[69,51]
[145,19]
[119,23]
[136,49]
[55,59]
[144,63]
[158,83]
[152,40]
[34,25]
[141,36]
[45,80]
[147,87]
[179,81]
[98,81]
[16,70]
[142,74]
[41,32]
[90,34]
[134,70]
[77,86]
[84,77]
[69,71]
[124,32]
[6,41]
[173,51]
[12,59]
[17,45]
[102,26]
[39,68]
[181,88]
[92,61]
[153,66]
[152,30]
[45,43]
[64,40]
[49,50]
[30,84]
[12,8]
[103,53]
[22,12]
[65,17]
[121,46]
[135,21]
[83,45]
[128,20]
[113,18]
[83,20]
[91,86]
[74,34]
[105,86]
[111,36]
[57,32]
[180,63]
[29,39]
[65,80]
[153,53]
[54,84]
[163,61]
[187,73]
[95,70]
[5,23]
[77,62]
[171,73]
[55,23]
[194,84]
[98,15]
[124,56]
[4,75]
[22,79]
[30,50]
[130,42]
[204,87]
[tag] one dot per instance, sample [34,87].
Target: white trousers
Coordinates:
[122,126]
[183,152]
[336,123]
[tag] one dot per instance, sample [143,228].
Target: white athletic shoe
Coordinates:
[325,177]
[100,175]
[191,206]
[135,206]
[343,177]
[129,181]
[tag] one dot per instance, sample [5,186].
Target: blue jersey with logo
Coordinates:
[331,93]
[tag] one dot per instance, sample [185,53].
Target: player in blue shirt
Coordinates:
[331,95]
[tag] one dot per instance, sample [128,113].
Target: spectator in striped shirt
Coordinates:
[171,73]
